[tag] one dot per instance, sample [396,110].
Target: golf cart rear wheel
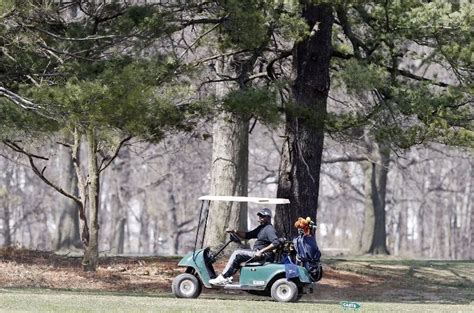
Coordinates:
[186,286]
[284,290]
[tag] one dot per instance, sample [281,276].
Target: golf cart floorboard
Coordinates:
[246,287]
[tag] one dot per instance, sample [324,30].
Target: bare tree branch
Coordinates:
[88,38]
[18,100]
[180,225]
[255,76]
[270,71]
[217,81]
[106,162]
[355,41]
[7,14]
[184,231]
[73,55]
[186,23]
[64,144]
[39,173]
[15,147]
[420,78]
[197,40]
[338,179]
[344,159]
[217,56]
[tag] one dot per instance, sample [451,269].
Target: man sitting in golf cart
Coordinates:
[267,240]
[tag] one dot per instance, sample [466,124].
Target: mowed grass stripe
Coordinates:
[62,301]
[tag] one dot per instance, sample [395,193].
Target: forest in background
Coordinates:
[151,193]
[399,113]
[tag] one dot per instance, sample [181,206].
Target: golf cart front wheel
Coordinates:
[186,286]
[284,290]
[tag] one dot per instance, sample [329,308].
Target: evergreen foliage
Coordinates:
[110,71]
[396,51]
[88,72]
[257,102]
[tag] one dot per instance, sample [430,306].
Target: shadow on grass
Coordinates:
[359,279]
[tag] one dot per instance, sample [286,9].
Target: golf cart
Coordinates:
[275,279]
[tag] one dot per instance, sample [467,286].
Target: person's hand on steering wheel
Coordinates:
[235,237]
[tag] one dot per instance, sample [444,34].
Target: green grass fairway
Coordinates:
[33,300]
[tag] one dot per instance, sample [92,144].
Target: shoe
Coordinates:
[220,280]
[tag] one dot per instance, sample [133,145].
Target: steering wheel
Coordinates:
[234,238]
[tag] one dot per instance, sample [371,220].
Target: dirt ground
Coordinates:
[359,279]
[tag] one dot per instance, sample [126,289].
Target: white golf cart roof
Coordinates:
[246,199]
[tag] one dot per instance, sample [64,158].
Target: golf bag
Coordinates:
[307,252]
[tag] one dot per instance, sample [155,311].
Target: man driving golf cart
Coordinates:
[283,281]
[267,241]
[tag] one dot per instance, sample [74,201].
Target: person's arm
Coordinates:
[246,234]
[239,233]
[271,237]
[270,247]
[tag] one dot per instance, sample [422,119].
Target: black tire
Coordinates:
[186,286]
[284,290]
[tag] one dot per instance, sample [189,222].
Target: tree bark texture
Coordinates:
[301,155]
[83,224]
[229,176]
[5,206]
[6,231]
[91,254]
[68,222]
[174,221]
[120,201]
[374,234]
[468,222]
[230,155]
[7,237]
[118,225]
[144,239]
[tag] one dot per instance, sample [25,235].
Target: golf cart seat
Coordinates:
[257,263]
[266,260]
[277,252]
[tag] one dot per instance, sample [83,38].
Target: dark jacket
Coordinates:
[265,235]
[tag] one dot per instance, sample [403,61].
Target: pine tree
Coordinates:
[389,58]
[86,75]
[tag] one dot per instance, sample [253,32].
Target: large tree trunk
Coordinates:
[144,244]
[471,238]
[402,244]
[369,213]
[120,200]
[7,237]
[75,154]
[467,241]
[229,170]
[374,236]
[301,156]
[5,206]
[118,224]
[229,176]
[174,221]
[91,255]
[68,222]
[422,220]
